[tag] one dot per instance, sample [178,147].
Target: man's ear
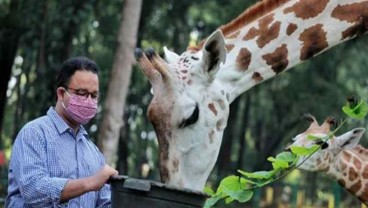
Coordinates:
[60,91]
[214,52]
[350,139]
[170,56]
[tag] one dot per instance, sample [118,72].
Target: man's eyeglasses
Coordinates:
[84,93]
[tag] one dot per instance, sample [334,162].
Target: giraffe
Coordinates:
[193,91]
[340,158]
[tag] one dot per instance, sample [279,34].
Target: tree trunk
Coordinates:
[122,164]
[243,131]
[108,138]
[10,32]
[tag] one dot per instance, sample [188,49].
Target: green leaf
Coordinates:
[231,183]
[278,164]
[239,195]
[230,188]
[212,201]
[208,190]
[228,200]
[313,137]
[304,151]
[258,174]
[358,112]
[286,156]
[264,182]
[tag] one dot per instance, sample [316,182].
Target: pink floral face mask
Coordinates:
[80,108]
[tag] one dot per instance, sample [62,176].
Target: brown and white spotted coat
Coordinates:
[341,158]
[192,92]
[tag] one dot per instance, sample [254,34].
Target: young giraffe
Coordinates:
[341,158]
[193,91]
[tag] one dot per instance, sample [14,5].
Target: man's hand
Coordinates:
[77,187]
[98,180]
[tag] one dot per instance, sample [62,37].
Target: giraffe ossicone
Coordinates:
[340,158]
[193,91]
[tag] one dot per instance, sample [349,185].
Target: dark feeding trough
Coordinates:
[137,193]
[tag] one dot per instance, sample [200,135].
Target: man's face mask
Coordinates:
[81,108]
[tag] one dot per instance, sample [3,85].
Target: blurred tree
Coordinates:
[112,121]
[11,27]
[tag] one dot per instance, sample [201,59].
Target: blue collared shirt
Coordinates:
[45,155]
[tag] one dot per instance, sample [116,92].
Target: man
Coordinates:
[53,162]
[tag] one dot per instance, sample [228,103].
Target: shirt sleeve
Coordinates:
[104,197]
[29,167]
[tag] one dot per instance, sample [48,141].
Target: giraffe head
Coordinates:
[330,150]
[189,110]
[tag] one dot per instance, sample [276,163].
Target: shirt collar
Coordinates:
[60,124]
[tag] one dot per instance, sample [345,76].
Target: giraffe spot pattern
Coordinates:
[277,59]
[175,164]
[229,47]
[365,172]
[326,156]
[318,162]
[314,41]
[364,196]
[357,163]
[354,13]
[291,28]
[314,8]
[243,59]
[352,174]
[356,187]
[234,35]
[346,156]
[257,77]
[221,104]
[252,33]
[220,124]
[212,107]
[227,97]
[266,32]
[164,173]
[343,167]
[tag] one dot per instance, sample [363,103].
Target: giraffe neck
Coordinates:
[276,35]
[351,172]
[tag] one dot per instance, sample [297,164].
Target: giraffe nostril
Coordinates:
[150,52]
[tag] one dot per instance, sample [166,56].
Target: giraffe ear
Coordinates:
[170,56]
[350,139]
[214,52]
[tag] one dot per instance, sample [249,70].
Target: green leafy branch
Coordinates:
[241,188]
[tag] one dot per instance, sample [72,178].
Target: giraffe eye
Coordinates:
[192,118]
[323,144]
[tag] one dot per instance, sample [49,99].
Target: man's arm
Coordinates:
[77,187]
